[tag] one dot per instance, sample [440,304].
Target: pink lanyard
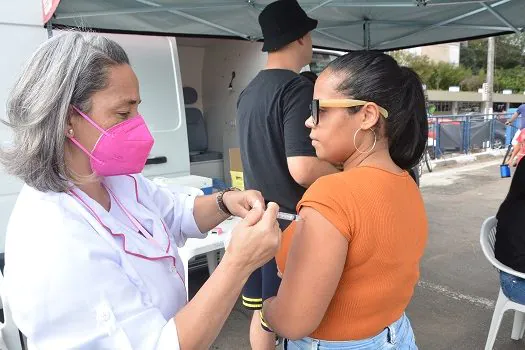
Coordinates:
[134,221]
[139,227]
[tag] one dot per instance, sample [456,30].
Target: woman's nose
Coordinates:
[309,123]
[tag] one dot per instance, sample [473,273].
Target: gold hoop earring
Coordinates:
[371,148]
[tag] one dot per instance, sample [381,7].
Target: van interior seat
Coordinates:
[196,127]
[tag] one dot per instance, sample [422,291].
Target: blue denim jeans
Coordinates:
[398,336]
[513,287]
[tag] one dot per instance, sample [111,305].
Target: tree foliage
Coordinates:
[509,53]
[470,74]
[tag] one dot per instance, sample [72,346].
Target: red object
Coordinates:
[48,9]
[432,122]
[217,230]
[521,142]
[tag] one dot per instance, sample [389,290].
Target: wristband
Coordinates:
[220,202]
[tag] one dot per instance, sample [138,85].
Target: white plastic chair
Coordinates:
[9,334]
[488,240]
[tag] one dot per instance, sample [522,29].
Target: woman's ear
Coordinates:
[69,131]
[370,116]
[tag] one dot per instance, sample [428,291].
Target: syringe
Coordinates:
[287,216]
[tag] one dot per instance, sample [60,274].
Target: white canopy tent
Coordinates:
[343,24]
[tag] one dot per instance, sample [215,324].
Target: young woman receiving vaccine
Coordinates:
[351,263]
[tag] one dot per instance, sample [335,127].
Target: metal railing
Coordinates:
[468,133]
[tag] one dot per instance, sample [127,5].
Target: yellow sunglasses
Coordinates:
[339,103]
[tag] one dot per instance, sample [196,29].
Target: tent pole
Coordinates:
[366,33]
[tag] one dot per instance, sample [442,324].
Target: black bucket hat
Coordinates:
[283,22]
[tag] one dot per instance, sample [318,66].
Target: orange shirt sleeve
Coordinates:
[329,197]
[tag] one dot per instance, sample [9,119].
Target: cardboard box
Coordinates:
[235,159]
[236,171]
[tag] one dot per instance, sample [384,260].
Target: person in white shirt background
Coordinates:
[91,246]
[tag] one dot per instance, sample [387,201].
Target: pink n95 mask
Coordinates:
[122,149]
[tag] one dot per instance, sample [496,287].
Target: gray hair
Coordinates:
[64,71]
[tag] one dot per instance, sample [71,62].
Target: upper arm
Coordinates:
[303,164]
[306,170]
[313,269]
[299,168]
[521,111]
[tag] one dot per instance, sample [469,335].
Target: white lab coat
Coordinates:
[73,284]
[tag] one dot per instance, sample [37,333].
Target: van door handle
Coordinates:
[156,160]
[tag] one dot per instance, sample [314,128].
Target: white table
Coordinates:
[210,245]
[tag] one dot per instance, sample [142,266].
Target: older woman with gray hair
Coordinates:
[91,246]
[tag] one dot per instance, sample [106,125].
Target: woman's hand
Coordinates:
[240,203]
[207,215]
[255,240]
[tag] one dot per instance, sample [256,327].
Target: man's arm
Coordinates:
[303,164]
[305,170]
[512,119]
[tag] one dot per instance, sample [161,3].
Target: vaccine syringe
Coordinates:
[287,216]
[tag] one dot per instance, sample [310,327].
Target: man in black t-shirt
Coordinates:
[277,155]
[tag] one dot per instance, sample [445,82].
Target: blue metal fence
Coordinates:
[469,133]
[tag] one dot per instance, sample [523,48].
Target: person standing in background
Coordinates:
[516,146]
[309,75]
[350,264]
[519,112]
[277,154]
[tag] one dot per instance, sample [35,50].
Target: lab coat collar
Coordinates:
[126,190]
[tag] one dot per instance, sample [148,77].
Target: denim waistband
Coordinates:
[389,335]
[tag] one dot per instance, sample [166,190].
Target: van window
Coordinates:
[320,61]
